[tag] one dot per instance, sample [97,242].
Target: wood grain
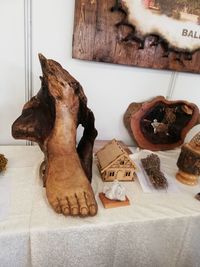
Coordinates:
[97,38]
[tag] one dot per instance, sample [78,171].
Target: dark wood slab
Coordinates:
[97,38]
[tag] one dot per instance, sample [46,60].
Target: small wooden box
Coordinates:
[108,203]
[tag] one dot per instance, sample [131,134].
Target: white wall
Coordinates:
[12,68]
[109,88]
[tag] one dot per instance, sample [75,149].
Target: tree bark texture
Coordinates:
[101,33]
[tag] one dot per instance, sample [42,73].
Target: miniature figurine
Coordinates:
[51,118]
[189,162]
[114,162]
[159,127]
[151,165]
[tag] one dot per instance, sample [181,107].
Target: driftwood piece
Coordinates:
[189,162]
[160,124]
[50,118]
[102,33]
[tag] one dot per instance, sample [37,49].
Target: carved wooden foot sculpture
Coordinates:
[51,119]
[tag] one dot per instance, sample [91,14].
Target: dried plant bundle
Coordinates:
[151,165]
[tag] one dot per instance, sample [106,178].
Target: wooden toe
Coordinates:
[65,206]
[73,205]
[83,208]
[91,203]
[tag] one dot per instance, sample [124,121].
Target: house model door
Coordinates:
[120,175]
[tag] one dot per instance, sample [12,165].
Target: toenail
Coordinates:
[84,211]
[58,210]
[74,211]
[66,211]
[93,210]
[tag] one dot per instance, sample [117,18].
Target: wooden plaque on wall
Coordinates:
[161,36]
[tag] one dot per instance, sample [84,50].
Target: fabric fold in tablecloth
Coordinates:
[159,229]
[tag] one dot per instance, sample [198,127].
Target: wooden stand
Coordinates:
[186,178]
[108,203]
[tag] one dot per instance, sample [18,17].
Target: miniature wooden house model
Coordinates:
[114,162]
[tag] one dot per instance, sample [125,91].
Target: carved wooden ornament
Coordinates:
[50,118]
[189,162]
[160,124]
[161,34]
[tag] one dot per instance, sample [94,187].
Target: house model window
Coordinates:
[114,162]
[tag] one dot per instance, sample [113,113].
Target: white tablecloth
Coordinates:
[159,229]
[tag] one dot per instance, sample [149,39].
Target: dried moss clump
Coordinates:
[3,162]
[151,165]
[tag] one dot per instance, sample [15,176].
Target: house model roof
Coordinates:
[112,151]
